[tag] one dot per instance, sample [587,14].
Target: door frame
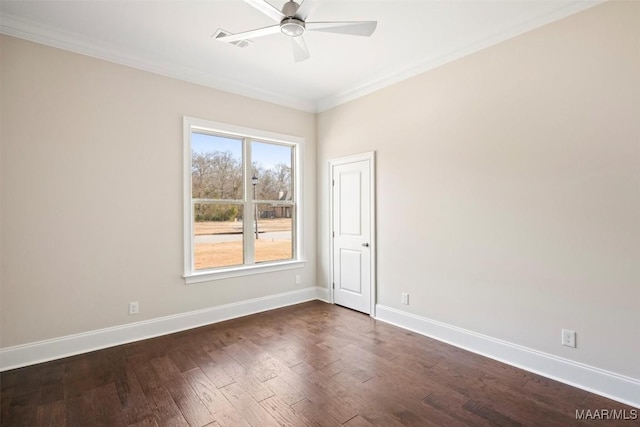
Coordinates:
[371,157]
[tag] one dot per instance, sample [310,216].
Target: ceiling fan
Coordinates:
[292,23]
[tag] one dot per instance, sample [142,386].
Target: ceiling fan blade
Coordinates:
[305,8]
[299,47]
[267,9]
[355,28]
[247,35]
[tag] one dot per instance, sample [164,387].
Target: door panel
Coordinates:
[350,267]
[350,187]
[351,235]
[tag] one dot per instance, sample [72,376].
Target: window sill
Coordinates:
[245,270]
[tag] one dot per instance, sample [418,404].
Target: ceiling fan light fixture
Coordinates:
[292,27]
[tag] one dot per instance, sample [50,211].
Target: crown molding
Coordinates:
[31,31]
[423,66]
[35,32]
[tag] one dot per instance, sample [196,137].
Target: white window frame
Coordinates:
[191,275]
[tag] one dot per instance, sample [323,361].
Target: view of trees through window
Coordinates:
[218,185]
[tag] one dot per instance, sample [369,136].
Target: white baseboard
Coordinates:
[57,348]
[608,384]
[598,381]
[324,295]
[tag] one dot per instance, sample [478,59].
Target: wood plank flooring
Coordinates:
[312,364]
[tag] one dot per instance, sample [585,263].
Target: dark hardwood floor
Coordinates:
[309,364]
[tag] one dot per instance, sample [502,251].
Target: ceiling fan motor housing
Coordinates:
[290,8]
[291,26]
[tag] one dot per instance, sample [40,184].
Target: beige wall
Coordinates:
[508,188]
[92,193]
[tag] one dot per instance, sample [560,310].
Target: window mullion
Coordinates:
[217,201]
[248,220]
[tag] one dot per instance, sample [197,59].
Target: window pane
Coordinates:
[275,225]
[216,167]
[217,235]
[272,167]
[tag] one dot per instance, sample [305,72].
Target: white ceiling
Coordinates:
[173,38]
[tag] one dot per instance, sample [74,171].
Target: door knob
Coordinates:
[366,245]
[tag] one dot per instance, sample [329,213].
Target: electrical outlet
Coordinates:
[405,298]
[134,308]
[297,279]
[569,338]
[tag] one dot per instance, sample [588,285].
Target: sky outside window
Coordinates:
[265,155]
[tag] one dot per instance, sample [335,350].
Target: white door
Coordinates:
[352,201]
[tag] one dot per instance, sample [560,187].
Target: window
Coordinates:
[242,201]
